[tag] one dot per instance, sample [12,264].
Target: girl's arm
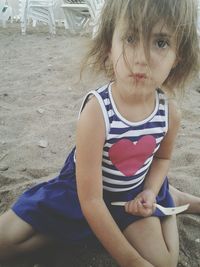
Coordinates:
[90,141]
[143,204]
[161,162]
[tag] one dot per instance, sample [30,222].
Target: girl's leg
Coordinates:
[182,198]
[156,241]
[17,236]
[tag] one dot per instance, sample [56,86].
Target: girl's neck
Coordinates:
[133,96]
[133,105]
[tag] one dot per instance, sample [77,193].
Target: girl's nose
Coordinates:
[139,57]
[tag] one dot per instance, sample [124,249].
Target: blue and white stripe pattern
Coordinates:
[118,128]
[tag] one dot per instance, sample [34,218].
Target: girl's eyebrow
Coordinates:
[162,35]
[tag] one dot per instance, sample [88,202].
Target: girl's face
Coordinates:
[131,67]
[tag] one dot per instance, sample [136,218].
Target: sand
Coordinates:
[40,96]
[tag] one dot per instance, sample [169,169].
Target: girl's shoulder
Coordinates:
[90,95]
[90,125]
[174,111]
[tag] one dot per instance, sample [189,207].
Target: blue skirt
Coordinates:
[53,207]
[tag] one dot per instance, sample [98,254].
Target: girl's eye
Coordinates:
[162,43]
[130,39]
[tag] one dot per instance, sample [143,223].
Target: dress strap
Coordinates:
[163,101]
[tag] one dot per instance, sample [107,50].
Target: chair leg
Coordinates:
[66,24]
[24,17]
[4,23]
[34,22]
[24,23]
[23,28]
[70,20]
[52,24]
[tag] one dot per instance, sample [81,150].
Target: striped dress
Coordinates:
[129,148]
[53,207]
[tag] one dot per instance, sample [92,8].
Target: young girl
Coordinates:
[125,136]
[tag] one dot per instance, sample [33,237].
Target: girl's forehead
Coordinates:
[159,27]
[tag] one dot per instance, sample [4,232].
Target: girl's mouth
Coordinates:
[139,76]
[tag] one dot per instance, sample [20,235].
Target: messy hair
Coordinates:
[180,16]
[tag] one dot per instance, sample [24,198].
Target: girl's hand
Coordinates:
[142,205]
[143,263]
[139,262]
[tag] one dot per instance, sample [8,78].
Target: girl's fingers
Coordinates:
[144,210]
[148,205]
[131,207]
[135,207]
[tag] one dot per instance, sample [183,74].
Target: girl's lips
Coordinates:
[138,76]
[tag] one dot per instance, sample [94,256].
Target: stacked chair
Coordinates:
[76,14]
[82,13]
[198,21]
[37,11]
[95,7]
[5,12]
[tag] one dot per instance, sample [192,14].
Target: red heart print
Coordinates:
[128,157]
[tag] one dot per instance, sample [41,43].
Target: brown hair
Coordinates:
[179,15]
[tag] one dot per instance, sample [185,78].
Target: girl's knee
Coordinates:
[169,260]
[173,260]
[6,237]
[13,229]
[165,259]
[5,240]
[4,227]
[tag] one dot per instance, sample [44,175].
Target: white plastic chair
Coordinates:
[77,14]
[5,12]
[37,10]
[23,15]
[95,7]
[198,21]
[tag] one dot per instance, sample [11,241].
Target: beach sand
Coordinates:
[40,96]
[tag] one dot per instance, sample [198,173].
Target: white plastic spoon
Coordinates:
[166,211]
